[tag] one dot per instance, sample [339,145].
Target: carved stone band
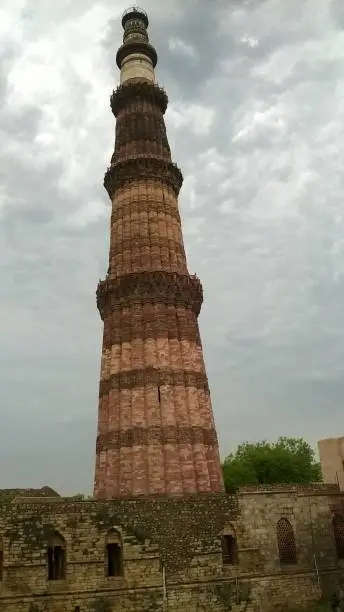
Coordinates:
[136,126]
[140,436]
[144,207]
[144,242]
[151,322]
[135,169]
[128,92]
[153,377]
[150,288]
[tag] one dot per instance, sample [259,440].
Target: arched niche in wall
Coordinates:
[114,554]
[229,546]
[286,542]
[338,532]
[56,552]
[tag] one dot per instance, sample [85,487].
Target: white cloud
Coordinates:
[198,118]
[180,46]
[250,41]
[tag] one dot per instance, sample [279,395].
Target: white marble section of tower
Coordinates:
[136,58]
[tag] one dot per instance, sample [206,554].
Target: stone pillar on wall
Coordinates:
[156,432]
[331,451]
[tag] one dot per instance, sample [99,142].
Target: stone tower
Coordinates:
[156,431]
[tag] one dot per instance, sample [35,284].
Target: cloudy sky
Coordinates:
[256,121]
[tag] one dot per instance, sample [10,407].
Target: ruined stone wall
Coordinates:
[26,529]
[309,511]
[176,538]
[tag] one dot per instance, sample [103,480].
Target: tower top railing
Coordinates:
[132,12]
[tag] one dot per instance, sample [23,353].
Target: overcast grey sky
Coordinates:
[256,122]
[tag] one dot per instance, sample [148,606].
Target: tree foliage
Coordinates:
[288,460]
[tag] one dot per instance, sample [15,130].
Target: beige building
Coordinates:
[331,451]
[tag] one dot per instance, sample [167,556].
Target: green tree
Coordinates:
[289,460]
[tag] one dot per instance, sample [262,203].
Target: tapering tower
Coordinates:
[156,432]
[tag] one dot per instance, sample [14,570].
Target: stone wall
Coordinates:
[171,550]
[309,510]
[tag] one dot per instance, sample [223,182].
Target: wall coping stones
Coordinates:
[317,488]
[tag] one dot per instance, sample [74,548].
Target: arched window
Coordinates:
[114,554]
[1,558]
[338,532]
[56,557]
[286,542]
[229,550]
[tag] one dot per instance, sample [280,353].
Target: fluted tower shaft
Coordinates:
[156,432]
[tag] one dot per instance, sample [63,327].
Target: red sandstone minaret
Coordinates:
[156,431]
